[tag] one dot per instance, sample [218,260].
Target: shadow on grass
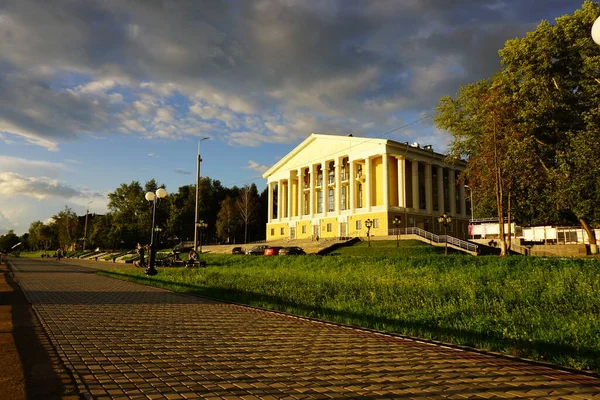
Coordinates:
[560,354]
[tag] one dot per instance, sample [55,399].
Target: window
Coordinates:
[319,201]
[283,231]
[343,173]
[359,205]
[331,176]
[358,225]
[344,189]
[375,222]
[306,204]
[450,229]
[330,201]
[272,232]
[320,178]
[328,227]
[303,228]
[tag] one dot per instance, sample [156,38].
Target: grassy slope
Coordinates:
[544,309]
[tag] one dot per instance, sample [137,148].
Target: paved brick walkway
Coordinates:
[123,340]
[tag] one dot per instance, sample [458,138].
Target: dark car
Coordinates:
[272,251]
[237,250]
[291,251]
[257,250]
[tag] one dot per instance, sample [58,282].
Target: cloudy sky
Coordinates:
[98,93]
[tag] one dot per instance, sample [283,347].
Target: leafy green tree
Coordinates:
[228,220]
[536,124]
[552,75]
[8,240]
[66,224]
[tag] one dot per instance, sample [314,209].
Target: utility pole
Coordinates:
[87,211]
[196,220]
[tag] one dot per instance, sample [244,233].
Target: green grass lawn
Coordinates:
[545,309]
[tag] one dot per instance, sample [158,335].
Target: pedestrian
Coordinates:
[59,254]
[142,261]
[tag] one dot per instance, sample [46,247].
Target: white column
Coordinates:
[461,200]
[313,177]
[289,196]
[352,186]
[279,199]
[452,192]
[386,181]
[325,187]
[428,189]
[270,202]
[401,183]
[415,184]
[300,192]
[440,185]
[338,186]
[367,192]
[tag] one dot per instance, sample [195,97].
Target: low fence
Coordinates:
[432,237]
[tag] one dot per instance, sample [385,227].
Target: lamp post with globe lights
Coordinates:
[445,220]
[396,222]
[596,31]
[368,225]
[153,197]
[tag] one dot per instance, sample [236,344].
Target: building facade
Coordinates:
[328,186]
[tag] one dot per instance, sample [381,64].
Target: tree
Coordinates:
[228,220]
[8,240]
[540,117]
[248,206]
[66,224]
[553,78]
[481,120]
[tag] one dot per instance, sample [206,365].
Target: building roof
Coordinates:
[353,142]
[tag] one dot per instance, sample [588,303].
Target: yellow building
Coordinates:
[330,185]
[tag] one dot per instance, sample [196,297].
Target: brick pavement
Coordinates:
[122,340]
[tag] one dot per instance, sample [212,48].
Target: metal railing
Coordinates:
[463,244]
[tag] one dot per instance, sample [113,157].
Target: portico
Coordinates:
[328,185]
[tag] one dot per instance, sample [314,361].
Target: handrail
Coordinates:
[463,244]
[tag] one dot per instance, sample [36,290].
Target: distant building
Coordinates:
[328,186]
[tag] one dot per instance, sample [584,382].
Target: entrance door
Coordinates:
[292,233]
[343,229]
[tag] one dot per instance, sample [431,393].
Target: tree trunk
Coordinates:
[591,235]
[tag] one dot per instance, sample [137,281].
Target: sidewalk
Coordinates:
[122,340]
[29,367]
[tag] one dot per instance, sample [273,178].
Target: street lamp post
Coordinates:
[196,221]
[87,211]
[396,223]
[368,225]
[153,197]
[445,220]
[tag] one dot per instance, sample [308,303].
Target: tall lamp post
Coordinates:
[196,221]
[397,221]
[87,211]
[153,197]
[445,220]
[368,225]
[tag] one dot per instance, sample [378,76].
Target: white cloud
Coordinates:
[254,166]
[39,187]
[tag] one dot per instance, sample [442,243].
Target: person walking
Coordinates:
[142,261]
[59,254]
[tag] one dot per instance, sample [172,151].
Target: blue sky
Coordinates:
[98,93]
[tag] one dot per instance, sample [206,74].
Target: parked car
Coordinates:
[237,250]
[291,251]
[272,251]
[257,250]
